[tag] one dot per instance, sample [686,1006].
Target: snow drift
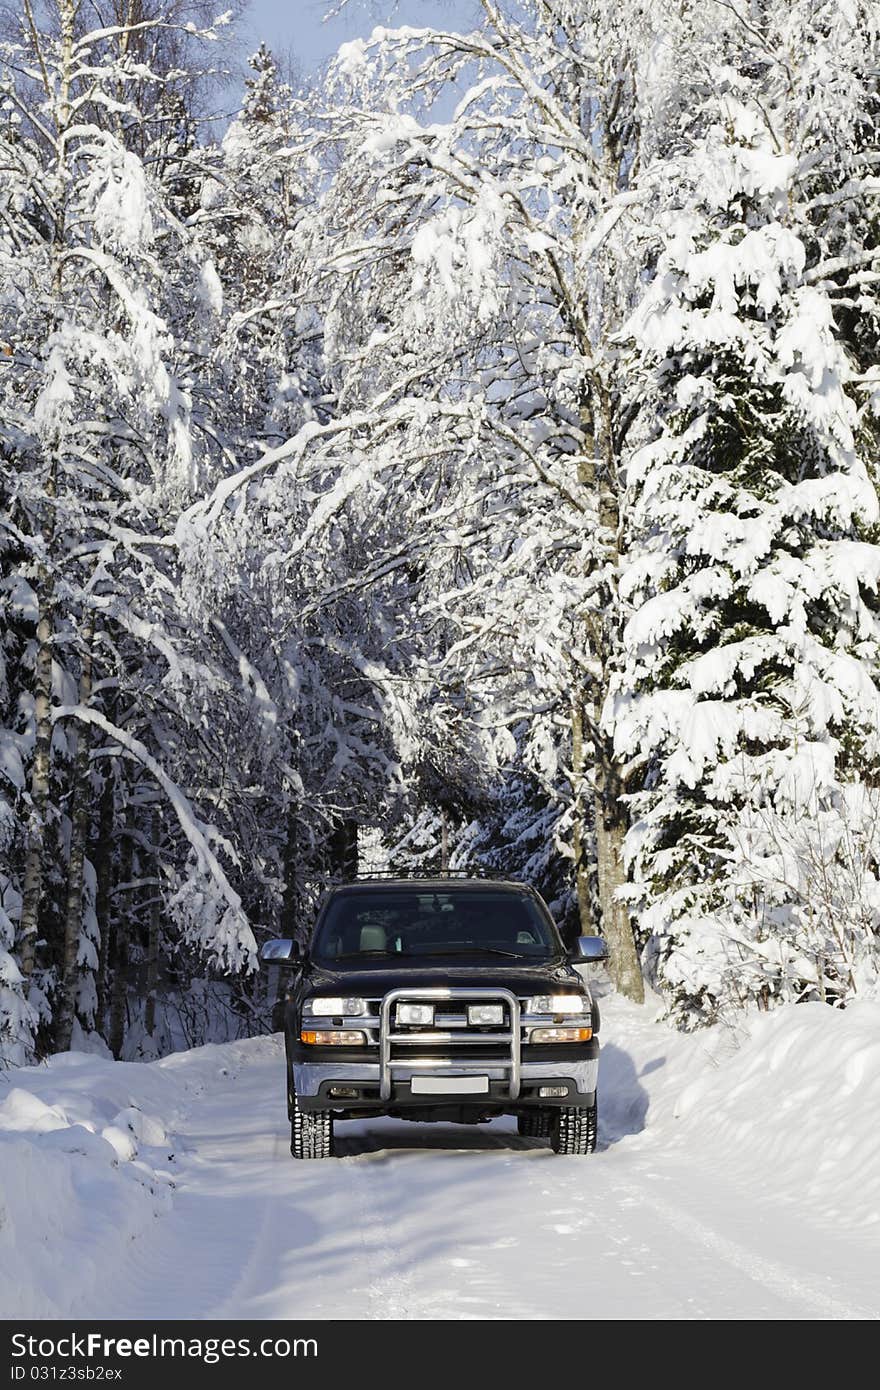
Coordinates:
[787,1102]
[88,1163]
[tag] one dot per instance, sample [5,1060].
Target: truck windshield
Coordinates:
[455,922]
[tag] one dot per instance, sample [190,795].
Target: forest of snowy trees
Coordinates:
[469,456]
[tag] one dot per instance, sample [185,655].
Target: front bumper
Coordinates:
[313,1082]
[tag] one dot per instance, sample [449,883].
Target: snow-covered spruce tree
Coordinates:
[749,699]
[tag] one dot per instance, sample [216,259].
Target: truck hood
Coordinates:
[377,976]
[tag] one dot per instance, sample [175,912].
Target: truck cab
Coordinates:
[438,999]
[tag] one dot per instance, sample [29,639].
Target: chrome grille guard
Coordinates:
[510,1038]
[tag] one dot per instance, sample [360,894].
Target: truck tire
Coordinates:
[311,1132]
[535,1124]
[574,1130]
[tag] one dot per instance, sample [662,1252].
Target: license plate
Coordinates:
[450,1085]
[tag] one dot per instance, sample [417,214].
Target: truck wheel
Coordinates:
[311,1132]
[535,1124]
[574,1130]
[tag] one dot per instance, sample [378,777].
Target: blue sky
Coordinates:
[296,27]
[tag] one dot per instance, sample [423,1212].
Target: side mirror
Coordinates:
[590,948]
[280,951]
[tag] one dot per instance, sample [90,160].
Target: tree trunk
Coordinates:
[154,922]
[598,472]
[444,840]
[290,901]
[579,839]
[344,849]
[32,887]
[103,864]
[79,819]
[119,959]
[611,826]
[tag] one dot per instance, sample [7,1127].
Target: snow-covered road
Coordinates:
[736,1176]
[680,1214]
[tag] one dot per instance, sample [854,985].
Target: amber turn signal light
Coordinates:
[560,1035]
[322,1038]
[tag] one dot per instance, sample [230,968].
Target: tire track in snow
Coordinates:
[457,1273]
[778,1279]
[390,1292]
[247,1279]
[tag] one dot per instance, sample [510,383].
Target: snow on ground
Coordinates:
[735,1178]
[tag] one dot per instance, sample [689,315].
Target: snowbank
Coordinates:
[87,1163]
[786,1103]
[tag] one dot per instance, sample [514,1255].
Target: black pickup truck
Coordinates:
[439,999]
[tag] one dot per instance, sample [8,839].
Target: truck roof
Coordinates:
[435,883]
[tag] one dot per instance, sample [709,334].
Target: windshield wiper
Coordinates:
[388,955]
[486,951]
[437,950]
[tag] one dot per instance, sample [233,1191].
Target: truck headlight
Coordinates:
[558,1004]
[560,1035]
[415,1014]
[330,1008]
